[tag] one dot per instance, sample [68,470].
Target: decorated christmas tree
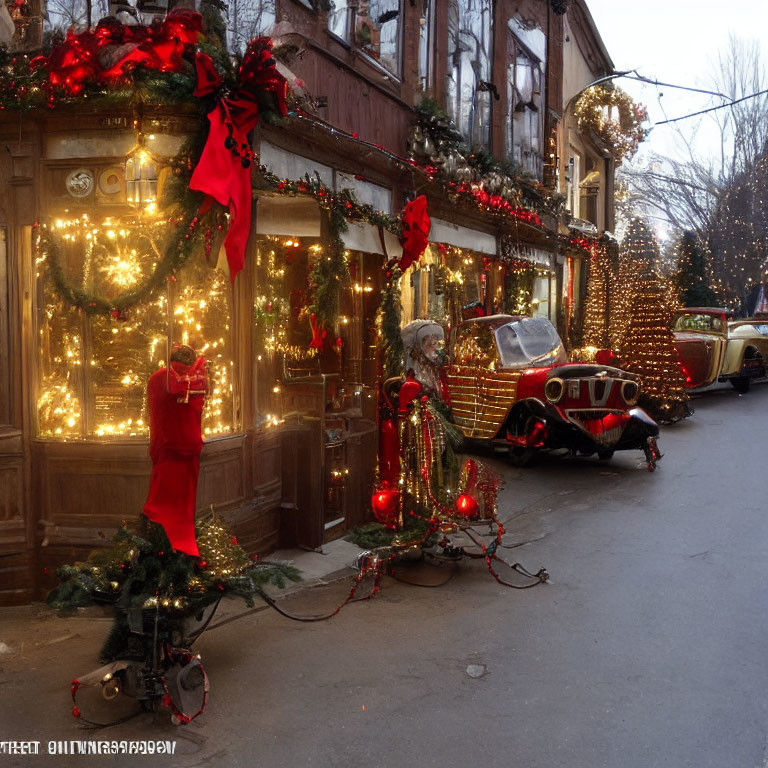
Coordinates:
[690,278]
[596,310]
[638,256]
[648,350]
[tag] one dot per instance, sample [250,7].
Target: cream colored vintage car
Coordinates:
[713,348]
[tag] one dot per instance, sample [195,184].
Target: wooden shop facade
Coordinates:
[290,451]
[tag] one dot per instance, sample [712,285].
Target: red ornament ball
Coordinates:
[466,506]
[385,503]
[76,711]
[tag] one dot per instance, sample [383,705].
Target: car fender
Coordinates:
[734,357]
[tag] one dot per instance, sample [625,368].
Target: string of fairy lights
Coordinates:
[95,368]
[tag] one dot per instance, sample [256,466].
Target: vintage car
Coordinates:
[711,349]
[510,383]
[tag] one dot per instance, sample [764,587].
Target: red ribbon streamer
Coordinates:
[224,169]
[416,226]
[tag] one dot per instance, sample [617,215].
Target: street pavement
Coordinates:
[649,646]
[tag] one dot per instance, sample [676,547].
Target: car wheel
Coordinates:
[521,457]
[741,384]
[605,455]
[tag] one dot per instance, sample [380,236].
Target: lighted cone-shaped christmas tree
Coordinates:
[691,279]
[638,257]
[649,351]
[596,310]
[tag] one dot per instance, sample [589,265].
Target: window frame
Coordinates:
[455,110]
[515,47]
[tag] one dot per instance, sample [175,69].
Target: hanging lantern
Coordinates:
[141,180]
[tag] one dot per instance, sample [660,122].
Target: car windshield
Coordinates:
[532,341]
[693,321]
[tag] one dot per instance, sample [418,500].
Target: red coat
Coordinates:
[176,398]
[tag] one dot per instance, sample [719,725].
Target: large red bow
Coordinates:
[224,169]
[416,226]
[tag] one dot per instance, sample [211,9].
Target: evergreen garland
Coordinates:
[388,321]
[176,254]
[330,272]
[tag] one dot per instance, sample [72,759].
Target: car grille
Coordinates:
[605,427]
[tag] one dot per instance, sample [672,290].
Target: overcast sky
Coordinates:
[676,41]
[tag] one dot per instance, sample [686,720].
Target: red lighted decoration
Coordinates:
[112,51]
[466,506]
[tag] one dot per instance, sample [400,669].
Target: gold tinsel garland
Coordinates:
[614,117]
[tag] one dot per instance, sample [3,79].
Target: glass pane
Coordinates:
[426,28]
[124,354]
[469,64]
[524,79]
[337,19]
[249,19]
[115,355]
[59,404]
[202,318]
[377,31]
[539,341]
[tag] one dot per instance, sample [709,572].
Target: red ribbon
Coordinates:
[224,169]
[416,225]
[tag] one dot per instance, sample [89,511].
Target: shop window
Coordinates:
[468,85]
[202,310]
[441,283]
[526,54]
[94,368]
[281,322]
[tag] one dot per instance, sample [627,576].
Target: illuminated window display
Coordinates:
[282,330]
[94,368]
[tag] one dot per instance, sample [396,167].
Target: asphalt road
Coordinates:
[648,648]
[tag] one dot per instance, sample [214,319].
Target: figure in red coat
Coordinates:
[176,395]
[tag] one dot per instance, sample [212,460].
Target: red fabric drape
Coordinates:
[175,397]
[224,169]
[416,226]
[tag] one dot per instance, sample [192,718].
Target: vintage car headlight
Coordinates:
[630,392]
[553,389]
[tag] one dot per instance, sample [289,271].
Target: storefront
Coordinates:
[290,420]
